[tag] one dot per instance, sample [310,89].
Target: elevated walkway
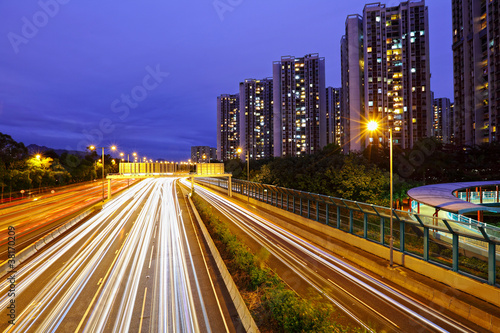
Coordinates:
[446,197]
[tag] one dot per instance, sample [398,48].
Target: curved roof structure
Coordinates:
[441,196]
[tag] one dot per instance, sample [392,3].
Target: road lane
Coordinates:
[42,214]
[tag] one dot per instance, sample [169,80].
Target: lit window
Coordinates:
[369,49]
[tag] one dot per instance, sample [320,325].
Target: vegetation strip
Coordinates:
[273,305]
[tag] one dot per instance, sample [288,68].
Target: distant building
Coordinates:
[299,105]
[395,86]
[333,115]
[197,153]
[256,118]
[476,70]
[228,122]
[442,120]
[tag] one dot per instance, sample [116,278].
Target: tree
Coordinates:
[10,150]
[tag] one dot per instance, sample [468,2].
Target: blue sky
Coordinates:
[145,75]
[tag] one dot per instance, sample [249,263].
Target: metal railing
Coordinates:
[463,247]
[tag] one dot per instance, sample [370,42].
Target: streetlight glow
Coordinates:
[372,125]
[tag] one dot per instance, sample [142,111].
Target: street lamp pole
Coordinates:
[372,126]
[391,242]
[112,148]
[102,173]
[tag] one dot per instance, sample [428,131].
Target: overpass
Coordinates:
[173,170]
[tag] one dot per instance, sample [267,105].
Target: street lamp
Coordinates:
[128,164]
[373,126]
[112,148]
[239,150]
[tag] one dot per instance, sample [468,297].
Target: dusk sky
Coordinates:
[66,77]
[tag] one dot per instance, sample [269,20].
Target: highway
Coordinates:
[36,216]
[135,266]
[366,300]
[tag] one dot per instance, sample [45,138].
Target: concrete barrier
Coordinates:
[323,235]
[246,318]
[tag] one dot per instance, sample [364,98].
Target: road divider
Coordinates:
[246,318]
[26,253]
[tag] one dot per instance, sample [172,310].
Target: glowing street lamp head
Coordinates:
[122,154]
[92,147]
[113,147]
[134,154]
[38,156]
[372,125]
[239,150]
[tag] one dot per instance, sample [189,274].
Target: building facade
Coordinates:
[442,128]
[333,116]
[353,102]
[476,70]
[198,153]
[299,105]
[256,118]
[228,122]
[396,74]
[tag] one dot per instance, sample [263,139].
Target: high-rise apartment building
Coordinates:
[299,105]
[396,74]
[228,120]
[333,115]
[353,102]
[256,118]
[476,70]
[442,120]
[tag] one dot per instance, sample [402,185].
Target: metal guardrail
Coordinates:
[439,240]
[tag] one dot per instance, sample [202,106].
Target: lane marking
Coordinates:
[142,312]
[150,258]
[366,305]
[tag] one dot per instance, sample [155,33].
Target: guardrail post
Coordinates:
[426,244]
[308,208]
[229,187]
[455,253]
[300,206]
[317,211]
[351,222]
[338,217]
[382,231]
[327,218]
[293,203]
[492,270]
[402,236]
[365,226]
